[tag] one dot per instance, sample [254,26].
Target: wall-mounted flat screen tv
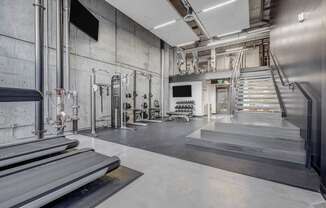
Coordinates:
[83,19]
[182,91]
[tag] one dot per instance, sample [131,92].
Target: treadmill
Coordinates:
[41,182]
[24,151]
[36,172]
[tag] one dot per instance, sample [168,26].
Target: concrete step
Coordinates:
[262,92]
[257,88]
[271,104]
[259,97]
[252,84]
[252,149]
[259,116]
[265,81]
[252,127]
[258,109]
[256,78]
[261,72]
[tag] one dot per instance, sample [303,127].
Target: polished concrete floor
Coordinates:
[171,182]
[170,138]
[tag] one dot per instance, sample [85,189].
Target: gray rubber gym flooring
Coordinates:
[169,138]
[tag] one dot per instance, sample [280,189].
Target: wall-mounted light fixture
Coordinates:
[301,17]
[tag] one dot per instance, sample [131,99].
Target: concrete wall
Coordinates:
[123,46]
[299,49]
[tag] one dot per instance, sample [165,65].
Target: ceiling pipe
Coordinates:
[197,20]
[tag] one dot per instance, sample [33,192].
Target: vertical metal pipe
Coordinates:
[39,61]
[162,79]
[75,108]
[135,96]
[59,69]
[93,103]
[67,35]
[46,58]
[150,95]
[60,83]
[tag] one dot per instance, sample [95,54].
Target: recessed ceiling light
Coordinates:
[226,41]
[218,5]
[165,24]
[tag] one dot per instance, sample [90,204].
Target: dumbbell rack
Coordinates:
[187,106]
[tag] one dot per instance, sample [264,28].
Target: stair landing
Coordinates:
[265,136]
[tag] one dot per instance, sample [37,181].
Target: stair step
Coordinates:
[260,81]
[255,77]
[258,103]
[256,69]
[256,83]
[261,97]
[259,108]
[255,88]
[266,72]
[259,116]
[272,129]
[295,157]
[257,141]
[246,93]
[256,110]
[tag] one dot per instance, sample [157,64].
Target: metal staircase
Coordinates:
[255,91]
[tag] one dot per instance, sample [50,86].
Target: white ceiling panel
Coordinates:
[151,13]
[176,34]
[225,19]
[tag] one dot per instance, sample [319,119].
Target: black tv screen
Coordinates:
[83,19]
[182,91]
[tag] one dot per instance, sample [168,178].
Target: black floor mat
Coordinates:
[170,138]
[94,193]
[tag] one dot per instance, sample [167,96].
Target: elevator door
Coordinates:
[221,100]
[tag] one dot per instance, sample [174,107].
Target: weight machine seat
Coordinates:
[39,183]
[20,152]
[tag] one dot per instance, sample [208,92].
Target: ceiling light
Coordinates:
[165,24]
[226,41]
[218,5]
[230,33]
[234,49]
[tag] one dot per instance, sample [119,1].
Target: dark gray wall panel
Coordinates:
[300,50]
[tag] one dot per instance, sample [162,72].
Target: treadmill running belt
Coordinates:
[46,181]
[20,152]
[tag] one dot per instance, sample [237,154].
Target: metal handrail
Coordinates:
[234,81]
[292,85]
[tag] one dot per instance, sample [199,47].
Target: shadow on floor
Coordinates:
[169,138]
